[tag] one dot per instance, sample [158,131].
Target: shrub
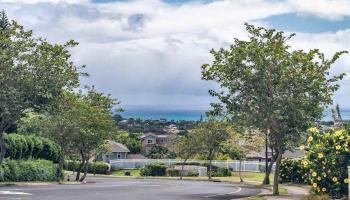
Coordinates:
[98,167]
[30,146]
[153,170]
[28,170]
[328,157]
[222,172]
[192,174]
[317,197]
[293,171]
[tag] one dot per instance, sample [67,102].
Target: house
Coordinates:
[150,140]
[117,151]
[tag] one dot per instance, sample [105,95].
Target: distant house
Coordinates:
[150,140]
[117,151]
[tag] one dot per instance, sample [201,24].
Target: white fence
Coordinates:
[254,166]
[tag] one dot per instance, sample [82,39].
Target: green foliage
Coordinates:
[30,146]
[153,170]
[29,170]
[130,140]
[33,75]
[222,172]
[98,167]
[294,171]
[328,156]
[159,152]
[317,197]
[267,86]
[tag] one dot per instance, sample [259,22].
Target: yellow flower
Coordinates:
[337,147]
[339,132]
[320,155]
[305,162]
[335,179]
[324,189]
[341,137]
[310,139]
[314,185]
[324,175]
[319,178]
[318,189]
[346,180]
[313,129]
[314,174]
[302,147]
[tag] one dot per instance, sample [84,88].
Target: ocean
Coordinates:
[192,114]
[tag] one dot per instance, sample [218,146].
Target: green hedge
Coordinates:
[293,171]
[98,167]
[153,170]
[221,172]
[30,146]
[28,170]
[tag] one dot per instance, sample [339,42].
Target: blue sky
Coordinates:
[149,52]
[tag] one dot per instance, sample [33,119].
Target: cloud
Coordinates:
[150,52]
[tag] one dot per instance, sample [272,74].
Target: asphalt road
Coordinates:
[131,189]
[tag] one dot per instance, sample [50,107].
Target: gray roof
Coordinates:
[118,147]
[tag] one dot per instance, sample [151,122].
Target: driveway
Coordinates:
[131,189]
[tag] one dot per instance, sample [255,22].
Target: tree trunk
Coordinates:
[277,172]
[85,170]
[266,180]
[60,166]
[81,165]
[210,168]
[240,169]
[2,147]
[182,169]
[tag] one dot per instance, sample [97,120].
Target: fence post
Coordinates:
[227,164]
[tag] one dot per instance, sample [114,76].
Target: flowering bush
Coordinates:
[294,171]
[327,158]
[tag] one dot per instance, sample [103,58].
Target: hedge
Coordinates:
[30,146]
[98,167]
[153,170]
[28,170]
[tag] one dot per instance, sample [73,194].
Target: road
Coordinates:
[131,189]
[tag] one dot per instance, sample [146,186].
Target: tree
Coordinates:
[95,125]
[270,88]
[33,73]
[212,134]
[187,146]
[239,145]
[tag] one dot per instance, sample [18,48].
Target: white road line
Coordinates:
[215,195]
[11,192]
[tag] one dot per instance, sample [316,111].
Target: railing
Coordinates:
[254,166]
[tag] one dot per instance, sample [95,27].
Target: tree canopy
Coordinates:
[33,73]
[267,86]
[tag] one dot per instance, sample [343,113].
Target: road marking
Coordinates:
[11,192]
[223,194]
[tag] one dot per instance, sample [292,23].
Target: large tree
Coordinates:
[33,73]
[268,87]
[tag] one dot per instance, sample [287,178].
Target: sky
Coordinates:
[149,52]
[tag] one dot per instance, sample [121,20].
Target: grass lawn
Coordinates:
[133,172]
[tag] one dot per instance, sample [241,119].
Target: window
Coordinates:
[119,156]
[149,141]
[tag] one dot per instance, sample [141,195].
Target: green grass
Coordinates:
[133,172]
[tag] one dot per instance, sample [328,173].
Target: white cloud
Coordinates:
[329,9]
[150,52]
